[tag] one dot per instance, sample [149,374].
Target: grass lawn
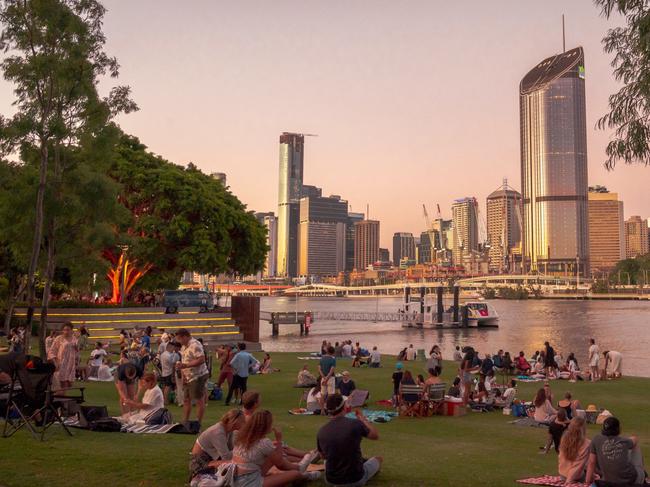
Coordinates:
[480,448]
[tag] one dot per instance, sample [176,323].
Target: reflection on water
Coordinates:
[523,325]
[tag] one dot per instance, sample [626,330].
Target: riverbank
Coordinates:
[441,451]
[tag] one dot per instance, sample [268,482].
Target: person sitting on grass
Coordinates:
[267,366]
[216,443]
[375,358]
[347,385]
[432,379]
[254,455]
[96,359]
[555,431]
[509,394]
[522,366]
[339,443]
[544,411]
[569,405]
[618,459]
[454,390]
[574,452]
[306,378]
[152,400]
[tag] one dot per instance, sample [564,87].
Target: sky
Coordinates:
[414,102]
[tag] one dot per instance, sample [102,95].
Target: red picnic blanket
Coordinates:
[553,481]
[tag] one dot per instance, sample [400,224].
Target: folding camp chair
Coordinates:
[434,400]
[34,402]
[409,400]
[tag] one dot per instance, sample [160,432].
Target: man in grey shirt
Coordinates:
[618,458]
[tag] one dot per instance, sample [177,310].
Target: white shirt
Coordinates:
[167,361]
[153,398]
[375,357]
[216,442]
[411,354]
[97,357]
[192,351]
[347,350]
[593,355]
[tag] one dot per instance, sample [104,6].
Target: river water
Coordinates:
[523,325]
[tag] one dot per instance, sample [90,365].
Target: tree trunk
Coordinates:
[49,276]
[36,243]
[15,290]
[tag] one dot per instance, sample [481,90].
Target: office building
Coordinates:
[425,247]
[465,228]
[289,193]
[270,222]
[555,236]
[384,255]
[503,208]
[349,239]
[403,246]
[636,237]
[606,232]
[322,235]
[366,244]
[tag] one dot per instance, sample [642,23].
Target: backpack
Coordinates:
[216,394]
[105,424]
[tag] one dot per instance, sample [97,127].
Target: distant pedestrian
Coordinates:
[195,374]
[613,364]
[241,365]
[594,360]
[411,353]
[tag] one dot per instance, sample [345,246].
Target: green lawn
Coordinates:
[480,448]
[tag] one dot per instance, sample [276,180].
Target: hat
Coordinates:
[591,408]
[399,366]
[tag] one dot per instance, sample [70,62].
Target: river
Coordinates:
[523,325]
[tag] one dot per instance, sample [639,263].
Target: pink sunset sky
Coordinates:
[413,101]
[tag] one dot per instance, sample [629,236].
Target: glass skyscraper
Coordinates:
[554,165]
[289,193]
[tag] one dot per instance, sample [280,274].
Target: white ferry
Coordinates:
[479,313]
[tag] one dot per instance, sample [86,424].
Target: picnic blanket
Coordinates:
[300,412]
[553,481]
[309,358]
[375,416]
[528,422]
[133,428]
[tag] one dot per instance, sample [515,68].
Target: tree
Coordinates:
[182,219]
[629,114]
[55,58]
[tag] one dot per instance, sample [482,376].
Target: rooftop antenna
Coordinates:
[563,36]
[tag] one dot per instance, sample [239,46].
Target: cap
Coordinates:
[399,366]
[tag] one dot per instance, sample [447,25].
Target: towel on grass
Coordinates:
[553,481]
[528,422]
[375,416]
[300,412]
[139,428]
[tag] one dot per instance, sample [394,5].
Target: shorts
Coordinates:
[329,388]
[467,378]
[196,389]
[370,469]
[167,381]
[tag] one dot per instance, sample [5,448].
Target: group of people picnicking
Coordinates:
[238,447]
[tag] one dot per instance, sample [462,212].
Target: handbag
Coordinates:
[224,476]
[159,416]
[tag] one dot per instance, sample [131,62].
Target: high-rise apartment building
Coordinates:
[636,237]
[322,235]
[349,239]
[403,246]
[465,228]
[270,221]
[289,193]
[384,255]
[606,232]
[503,208]
[366,244]
[554,165]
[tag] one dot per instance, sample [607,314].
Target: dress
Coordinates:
[65,353]
[594,358]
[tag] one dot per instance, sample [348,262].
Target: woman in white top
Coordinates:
[544,411]
[594,360]
[152,400]
[215,444]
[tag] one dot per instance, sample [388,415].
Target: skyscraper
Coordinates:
[270,221]
[606,232]
[349,239]
[289,193]
[554,165]
[636,237]
[503,208]
[384,255]
[366,243]
[322,235]
[465,228]
[403,246]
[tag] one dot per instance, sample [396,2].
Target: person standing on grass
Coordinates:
[594,360]
[466,369]
[375,358]
[339,443]
[195,374]
[241,365]
[411,353]
[613,364]
[327,369]
[65,354]
[168,361]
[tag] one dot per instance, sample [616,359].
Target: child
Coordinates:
[556,430]
[397,379]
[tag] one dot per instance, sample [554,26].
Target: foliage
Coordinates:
[519,292]
[635,271]
[629,113]
[598,189]
[183,219]
[488,292]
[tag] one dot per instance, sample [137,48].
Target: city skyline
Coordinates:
[400,115]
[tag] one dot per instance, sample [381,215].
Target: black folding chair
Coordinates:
[35,403]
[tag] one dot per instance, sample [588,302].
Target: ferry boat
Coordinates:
[482,313]
[425,315]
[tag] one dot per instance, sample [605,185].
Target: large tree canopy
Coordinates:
[182,219]
[629,114]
